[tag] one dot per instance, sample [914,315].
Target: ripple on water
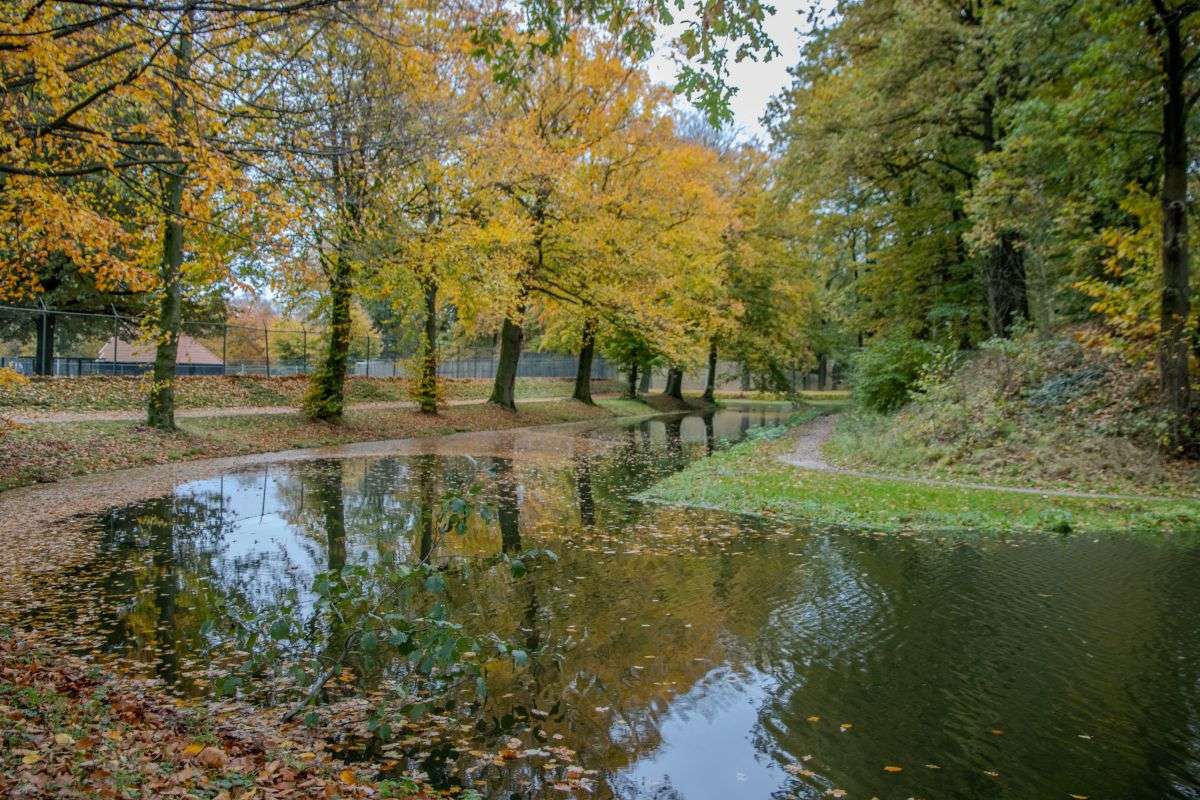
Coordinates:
[693,654]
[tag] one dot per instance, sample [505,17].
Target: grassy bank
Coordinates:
[106,393]
[750,478]
[42,453]
[1034,411]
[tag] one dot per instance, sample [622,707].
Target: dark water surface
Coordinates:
[691,654]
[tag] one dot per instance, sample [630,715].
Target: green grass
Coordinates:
[749,478]
[624,407]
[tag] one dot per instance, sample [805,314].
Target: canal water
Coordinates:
[686,653]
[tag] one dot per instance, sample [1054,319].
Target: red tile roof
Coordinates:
[190,352]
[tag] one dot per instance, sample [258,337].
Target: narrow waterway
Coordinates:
[682,653]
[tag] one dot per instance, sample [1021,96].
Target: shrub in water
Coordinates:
[887,371]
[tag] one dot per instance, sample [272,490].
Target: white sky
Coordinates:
[756,81]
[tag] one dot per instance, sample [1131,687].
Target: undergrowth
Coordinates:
[1026,412]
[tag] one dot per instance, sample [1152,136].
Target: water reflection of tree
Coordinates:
[601,680]
[149,554]
[583,489]
[507,505]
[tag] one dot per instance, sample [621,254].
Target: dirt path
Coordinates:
[48,417]
[811,437]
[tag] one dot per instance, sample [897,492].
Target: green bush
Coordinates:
[887,370]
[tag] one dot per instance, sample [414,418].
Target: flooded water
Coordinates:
[691,654]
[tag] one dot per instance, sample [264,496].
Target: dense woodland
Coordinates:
[940,173]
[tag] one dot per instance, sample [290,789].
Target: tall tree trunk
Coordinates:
[426,389]
[1174,377]
[823,372]
[1007,293]
[745,376]
[710,382]
[325,399]
[583,372]
[644,381]
[504,388]
[160,406]
[674,387]
[1004,269]
[43,361]
[632,388]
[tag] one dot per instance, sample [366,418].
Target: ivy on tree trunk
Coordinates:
[160,406]
[325,399]
[425,389]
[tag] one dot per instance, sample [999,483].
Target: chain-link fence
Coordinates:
[731,377]
[44,341]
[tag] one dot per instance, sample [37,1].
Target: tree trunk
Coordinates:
[504,388]
[631,390]
[160,407]
[1004,270]
[710,383]
[745,377]
[1007,294]
[823,372]
[325,399]
[426,388]
[1175,381]
[583,373]
[647,376]
[674,387]
[43,361]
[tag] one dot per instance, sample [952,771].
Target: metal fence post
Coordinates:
[368,355]
[116,333]
[41,361]
[267,344]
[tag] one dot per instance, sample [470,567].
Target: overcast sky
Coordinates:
[756,81]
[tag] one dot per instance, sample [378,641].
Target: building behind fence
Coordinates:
[111,344]
[39,341]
